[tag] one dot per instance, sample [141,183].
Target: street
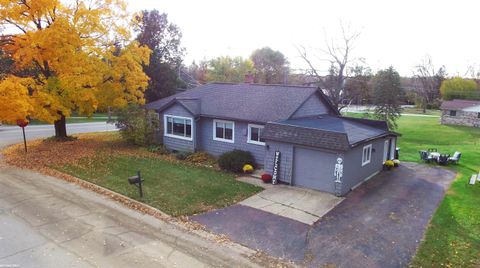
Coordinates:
[47,222]
[13,134]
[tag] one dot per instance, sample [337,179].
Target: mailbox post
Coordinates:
[23,123]
[137,181]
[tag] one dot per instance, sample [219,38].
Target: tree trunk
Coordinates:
[60,127]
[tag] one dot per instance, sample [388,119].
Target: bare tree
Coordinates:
[338,54]
[428,81]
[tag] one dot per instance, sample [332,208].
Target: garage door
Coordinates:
[313,169]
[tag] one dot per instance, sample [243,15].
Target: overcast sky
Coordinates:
[398,33]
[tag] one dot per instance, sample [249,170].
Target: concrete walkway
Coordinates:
[300,204]
[46,222]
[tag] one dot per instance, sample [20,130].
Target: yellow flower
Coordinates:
[247,168]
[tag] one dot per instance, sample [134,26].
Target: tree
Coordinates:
[164,39]
[387,96]
[338,55]
[459,88]
[429,80]
[271,66]
[81,55]
[357,87]
[227,69]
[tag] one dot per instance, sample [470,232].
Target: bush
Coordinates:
[157,149]
[182,155]
[137,125]
[235,160]
[200,158]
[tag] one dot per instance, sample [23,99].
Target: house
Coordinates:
[461,112]
[292,129]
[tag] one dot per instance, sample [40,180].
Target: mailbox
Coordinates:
[137,181]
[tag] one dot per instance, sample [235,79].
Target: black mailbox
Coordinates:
[137,181]
[134,179]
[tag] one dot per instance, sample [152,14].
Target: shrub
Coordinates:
[137,125]
[235,160]
[266,178]
[200,158]
[247,168]
[158,149]
[182,155]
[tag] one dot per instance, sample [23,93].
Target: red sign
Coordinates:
[22,123]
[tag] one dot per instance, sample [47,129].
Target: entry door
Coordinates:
[385,150]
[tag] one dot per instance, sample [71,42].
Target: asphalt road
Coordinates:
[13,134]
[47,222]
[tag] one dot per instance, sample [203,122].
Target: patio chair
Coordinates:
[455,158]
[443,159]
[425,156]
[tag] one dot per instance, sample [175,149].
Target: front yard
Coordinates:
[173,186]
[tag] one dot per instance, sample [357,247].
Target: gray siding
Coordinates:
[286,160]
[206,142]
[313,106]
[178,144]
[354,172]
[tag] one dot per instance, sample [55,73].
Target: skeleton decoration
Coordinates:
[338,172]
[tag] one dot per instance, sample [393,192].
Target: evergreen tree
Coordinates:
[388,96]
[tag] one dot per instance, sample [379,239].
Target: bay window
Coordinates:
[178,127]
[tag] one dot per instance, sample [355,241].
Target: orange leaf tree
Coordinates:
[81,55]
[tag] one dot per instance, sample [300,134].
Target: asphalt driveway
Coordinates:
[380,224]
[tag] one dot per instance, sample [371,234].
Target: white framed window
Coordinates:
[178,127]
[223,131]
[255,134]
[366,154]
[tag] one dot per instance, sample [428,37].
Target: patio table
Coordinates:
[435,155]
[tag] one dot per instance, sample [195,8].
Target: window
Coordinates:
[255,134]
[453,113]
[178,127]
[223,131]
[367,154]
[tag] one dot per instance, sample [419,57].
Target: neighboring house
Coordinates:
[461,112]
[318,148]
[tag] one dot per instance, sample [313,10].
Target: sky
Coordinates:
[392,33]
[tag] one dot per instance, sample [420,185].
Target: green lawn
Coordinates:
[175,188]
[453,237]
[97,117]
[420,111]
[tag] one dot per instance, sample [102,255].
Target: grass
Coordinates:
[453,236]
[97,117]
[420,111]
[175,188]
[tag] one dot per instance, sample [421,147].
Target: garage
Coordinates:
[313,169]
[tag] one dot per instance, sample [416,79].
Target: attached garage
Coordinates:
[327,153]
[313,169]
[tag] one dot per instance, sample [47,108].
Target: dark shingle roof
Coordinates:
[250,102]
[458,104]
[326,131]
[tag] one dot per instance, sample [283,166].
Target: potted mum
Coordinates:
[388,164]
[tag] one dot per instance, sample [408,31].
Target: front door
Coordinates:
[385,150]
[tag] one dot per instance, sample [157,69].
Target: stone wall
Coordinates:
[462,118]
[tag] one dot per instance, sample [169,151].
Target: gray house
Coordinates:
[292,129]
[461,112]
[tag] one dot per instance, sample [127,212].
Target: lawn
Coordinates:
[453,237]
[175,187]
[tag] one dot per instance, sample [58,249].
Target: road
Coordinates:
[47,222]
[13,134]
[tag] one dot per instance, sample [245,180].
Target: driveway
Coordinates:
[300,204]
[380,224]
[46,222]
